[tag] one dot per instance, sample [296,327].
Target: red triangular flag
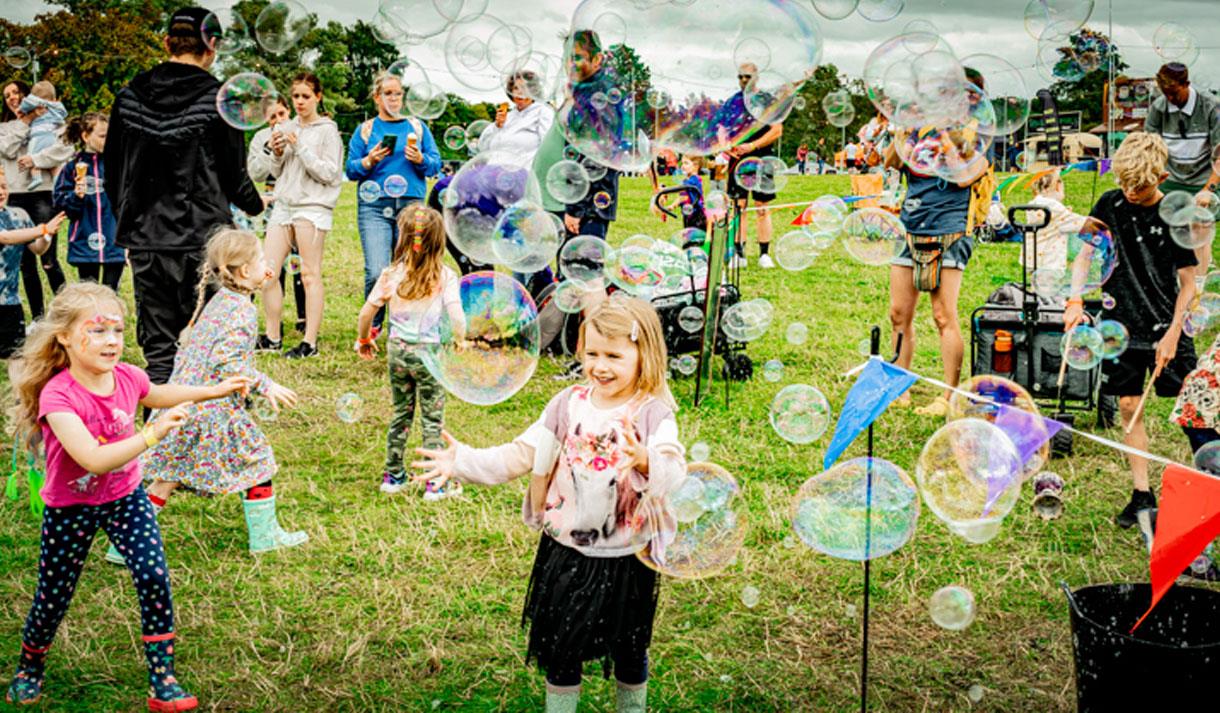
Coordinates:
[1189,518]
[805,218]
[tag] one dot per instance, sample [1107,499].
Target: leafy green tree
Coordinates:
[1093,50]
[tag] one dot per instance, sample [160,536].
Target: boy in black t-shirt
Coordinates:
[1153,285]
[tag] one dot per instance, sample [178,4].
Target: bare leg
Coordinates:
[944,313]
[162,489]
[1138,438]
[764,223]
[310,242]
[903,299]
[275,249]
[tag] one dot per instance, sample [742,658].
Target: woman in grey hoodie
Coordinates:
[307,162]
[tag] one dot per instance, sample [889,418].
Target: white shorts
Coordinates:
[285,215]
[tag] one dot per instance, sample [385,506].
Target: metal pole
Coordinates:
[874,349]
[1109,103]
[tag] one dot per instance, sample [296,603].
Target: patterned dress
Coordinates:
[220,449]
[1198,404]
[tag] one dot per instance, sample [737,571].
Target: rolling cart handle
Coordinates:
[694,194]
[1026,210]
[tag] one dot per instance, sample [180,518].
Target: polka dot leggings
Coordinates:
[67,534]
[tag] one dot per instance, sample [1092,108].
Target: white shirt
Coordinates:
[522,132]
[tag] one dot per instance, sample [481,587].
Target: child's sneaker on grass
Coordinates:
[765,262]
[1140,500]
[265,344]
[432,493]
[392,484]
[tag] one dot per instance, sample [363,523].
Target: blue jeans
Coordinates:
[378,237]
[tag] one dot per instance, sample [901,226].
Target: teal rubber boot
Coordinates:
[265,531]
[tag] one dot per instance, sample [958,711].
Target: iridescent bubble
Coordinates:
[263,410]
[478,195]
[584,259]
[800,414]
[17,57]
[1195,320]
[480,52]
[387,212]
[474,132]
[1083,348]
[567,182]
[690,319]
[527,237]
[570,297]
[880,10]
[226,31]
[996,392]
[746,321]
[700,451]
[860,509]
[488,348]
[1199,230]
[958,154]
[687,364]
[773,370]
[716,205]
[915,80]
[349,407]
[395,186]
[794,251]
[1174,42]
[1091,257]
[368,191]
[797,333]
[708,544]
[96,241]
[1176,208]
[952,607]
[455,137]
[1006,90]
[281,25]
[1207,458]
[1115,338]
[634,269]
[292,264]
[750,596]
[243,100]
[1108,301]
[686,499]
[835,9]
[842,118]
[969,472]
[426,100]
[873,236]
[1056,19]
[602,200]
[826,213]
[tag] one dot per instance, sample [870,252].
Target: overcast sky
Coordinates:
[969,26]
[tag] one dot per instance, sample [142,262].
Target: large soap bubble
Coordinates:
[585,258]
[226,31]
[746,321]
[968,472]
[858,510]
[480,52]
[1091,257]
[800,413]
[243,100]
[1115,338]
[711,525]
[795,251]
[1005,88]
[478,195]
[691,100]
[873,236]
[880,10]
[634,269]
[1084,347]
[281,25]
[526,237]
[567,182]
[952,607]
[1175,43]
[956,153]
[1056,19]
[995,392]
[494,352]
[413,22]
[915,80]
[1199,228]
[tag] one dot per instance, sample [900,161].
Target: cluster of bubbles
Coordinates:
[858,510]
[765,174]
[871,10]
[709,510]
[488,345]
[421,96]
[839,110]
[493,213]
[799,414]
[1191,219]
[1091,259]
[1206,308]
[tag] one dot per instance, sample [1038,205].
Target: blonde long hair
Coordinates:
[635,319]
[420,250]
[227,251]
[43,356]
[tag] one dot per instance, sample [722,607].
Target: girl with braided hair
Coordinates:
[221,449]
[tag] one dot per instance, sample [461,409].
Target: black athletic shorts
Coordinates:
[1126,375]
[12,330]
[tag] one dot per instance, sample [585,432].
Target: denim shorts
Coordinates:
[955,257]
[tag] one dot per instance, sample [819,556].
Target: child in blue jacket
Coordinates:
[79,193]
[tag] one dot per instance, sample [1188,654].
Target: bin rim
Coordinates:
[1123,634]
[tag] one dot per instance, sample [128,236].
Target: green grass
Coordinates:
[400,605]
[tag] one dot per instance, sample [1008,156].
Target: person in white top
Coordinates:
[520,126]
[1052,240]
[307,162]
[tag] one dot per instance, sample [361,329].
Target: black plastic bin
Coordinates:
[1172,660]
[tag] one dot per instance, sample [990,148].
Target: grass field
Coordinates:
[400,605]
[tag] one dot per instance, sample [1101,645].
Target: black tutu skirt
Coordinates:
[581,608]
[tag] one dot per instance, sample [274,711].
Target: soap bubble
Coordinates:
[634,269]
[915,80]
[957,153]
[281,25]
[1173,42]
[413,22]
[1007,91]
[797,333]
[794,251]
[873,236]
[974,693]
[455,137]
[569,297]
[480,52]
[749,173]
[700,451]
[1198,231]
[773,370]
[686,500]
[292,264]
[349,407]
[585,258]
[880,10]
[369,191]
[263,410]
[978,532]
[243,100]
[226,31]
[1195,320]
[1056,19]
[832,512]
[835,9]
[1108,301]
[602,200]
[567,182]
[1083,347]
[746,321]
[388,212]
[968,472]
[96,241]
[478,195]
[686,364]
[800,414]
[394,186]
[526,237]
[952,607]
[708,544]
[841,118]
[17,57]
[996,391]
[690,319]
[491,356]
[750,596]
[1176,207]
[1115,338]
[425,100]
[1091,257]
[1207,458]
[474,132]
[826,214]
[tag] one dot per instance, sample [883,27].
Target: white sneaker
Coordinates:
[765,262]
[451,489]
[737,262]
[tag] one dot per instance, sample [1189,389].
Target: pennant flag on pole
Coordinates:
[1189,518]
[805,218]
[877,386]
[1103,167]
[1028,433]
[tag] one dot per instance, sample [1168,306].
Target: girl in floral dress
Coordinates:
[1197,409]
[222,450]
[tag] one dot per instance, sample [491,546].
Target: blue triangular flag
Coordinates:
[875,389]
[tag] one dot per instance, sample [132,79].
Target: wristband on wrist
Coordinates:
[43,229]
[1078,301]
[150,438]
[365,341]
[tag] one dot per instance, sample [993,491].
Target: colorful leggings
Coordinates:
[68,532]
[410,383]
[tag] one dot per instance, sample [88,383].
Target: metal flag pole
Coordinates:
[874,349]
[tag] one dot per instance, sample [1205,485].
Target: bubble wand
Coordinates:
[1139,408]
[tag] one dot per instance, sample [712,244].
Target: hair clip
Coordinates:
[635,330]
[417,242]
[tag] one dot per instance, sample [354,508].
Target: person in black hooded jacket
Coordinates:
[173,167]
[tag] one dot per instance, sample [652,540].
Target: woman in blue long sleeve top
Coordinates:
[369,160]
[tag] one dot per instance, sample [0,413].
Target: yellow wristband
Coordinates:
[150,439]
[1076,301]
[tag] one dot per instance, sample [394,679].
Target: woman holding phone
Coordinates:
[394,155]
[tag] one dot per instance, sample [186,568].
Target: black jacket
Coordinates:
[173,165]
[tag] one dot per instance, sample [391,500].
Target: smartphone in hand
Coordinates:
[389,141]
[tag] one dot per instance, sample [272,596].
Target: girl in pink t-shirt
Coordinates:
[603,456]
[75,395]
